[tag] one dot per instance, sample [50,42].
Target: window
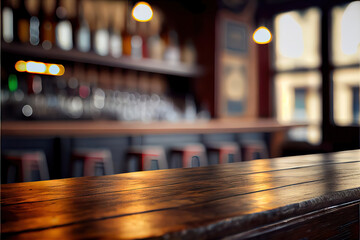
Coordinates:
[297,79]
[297,39]
[346,61]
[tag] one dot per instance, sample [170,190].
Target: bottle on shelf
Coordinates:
[117,10]
[64,29]
[190,109]
[144,83]
[129,30]
[73,104]
[84,86]
[136,47]
[188,53]
[172,51]
[83,35]
[136,39]
[130,81]
[144,33]
[33,7]
[8,22]
[48,24]
[90,17]
[155,44]
[101,35]
[23,24]
[118,83]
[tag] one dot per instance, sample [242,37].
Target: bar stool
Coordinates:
[21,164]
[227,152]
[254,150]
[144,158]
[91,162]
[192,155]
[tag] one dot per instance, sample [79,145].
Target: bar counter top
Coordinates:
[300,197]
[80,128]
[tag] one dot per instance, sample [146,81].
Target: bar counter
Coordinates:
[300,197]
[88,128]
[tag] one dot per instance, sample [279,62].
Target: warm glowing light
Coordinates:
[262,35]
[142,12]
[35,67]
[61,69]
[40,68]
[20,66]
[54,69]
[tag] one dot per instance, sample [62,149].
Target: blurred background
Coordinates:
[270,77]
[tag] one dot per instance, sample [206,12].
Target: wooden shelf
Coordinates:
[95,128]
[147,65]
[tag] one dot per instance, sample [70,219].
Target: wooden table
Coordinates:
[301,197]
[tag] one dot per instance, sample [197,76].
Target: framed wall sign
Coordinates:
[236,79]
[235,37]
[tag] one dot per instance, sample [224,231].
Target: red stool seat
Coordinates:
[227,152]
[254,150]
[92,159]
[193,155]
[25,162]
[146,158]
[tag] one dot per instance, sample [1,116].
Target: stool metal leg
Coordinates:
[108,163]
[26,170]
[44,173]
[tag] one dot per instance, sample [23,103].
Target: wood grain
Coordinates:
[206,203]
[88,128]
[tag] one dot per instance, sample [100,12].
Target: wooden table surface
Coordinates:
[229,200]
[88,128]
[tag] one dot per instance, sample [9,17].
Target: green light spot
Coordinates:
[13,83]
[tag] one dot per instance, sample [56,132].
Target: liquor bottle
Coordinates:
[23,22]
[144,83]
[101,35]
[158,84]
[155,44]
[130,80]
[188,53]
[64,39]
[115,43]
[83,32]
[129,31]
[79,73]
[172,51]
[136,39]
[8,22]
[89,9]
[15,5]
[143,30]
[48,24]
[72,14]
[136,47]
[118,81]
[33,7]
[116,27]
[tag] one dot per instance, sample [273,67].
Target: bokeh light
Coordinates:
[262,35]
[142,12]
